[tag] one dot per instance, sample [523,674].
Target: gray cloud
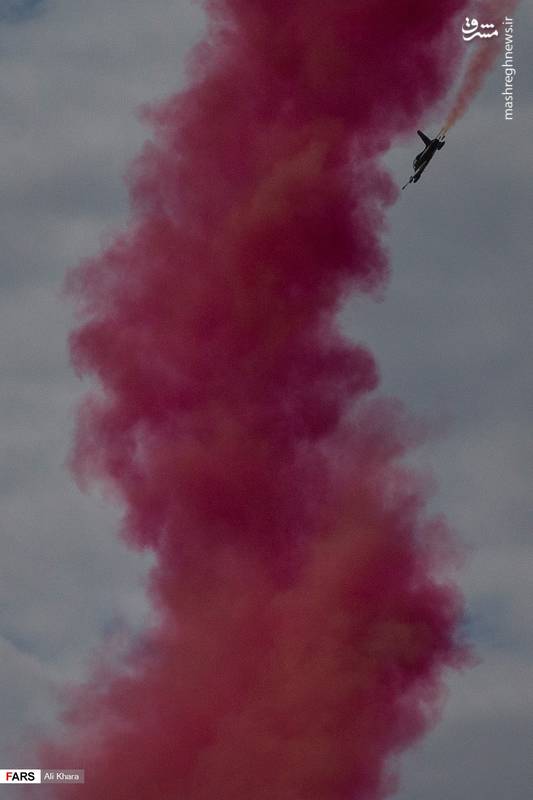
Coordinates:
[20,10]
[477,758]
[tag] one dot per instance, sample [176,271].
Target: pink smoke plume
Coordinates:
[303,621]
[484,57]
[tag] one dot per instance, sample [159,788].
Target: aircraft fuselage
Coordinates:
[424,157]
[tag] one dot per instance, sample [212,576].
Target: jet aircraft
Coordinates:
[422,159]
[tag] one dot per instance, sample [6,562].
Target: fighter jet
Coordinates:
[422,159]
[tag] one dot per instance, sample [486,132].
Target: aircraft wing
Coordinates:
[424,138]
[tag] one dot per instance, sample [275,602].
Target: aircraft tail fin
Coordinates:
[424,138]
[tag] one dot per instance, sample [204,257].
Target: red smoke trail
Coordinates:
[302,632]
[484,57]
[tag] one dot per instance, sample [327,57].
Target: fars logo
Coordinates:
[17,776]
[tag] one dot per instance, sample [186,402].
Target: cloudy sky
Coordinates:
[452,336]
